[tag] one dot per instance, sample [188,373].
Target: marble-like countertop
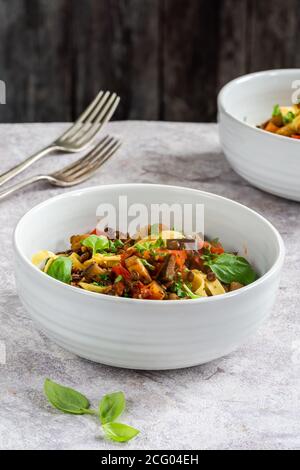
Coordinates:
[248,400]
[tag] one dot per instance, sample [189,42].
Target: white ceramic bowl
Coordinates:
[266,160]
[145,334]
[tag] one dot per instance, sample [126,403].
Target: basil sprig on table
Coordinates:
[66,399]
[61,269]
[229,268]
[111,407]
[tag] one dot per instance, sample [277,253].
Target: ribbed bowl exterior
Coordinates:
[270,163]
[143,335]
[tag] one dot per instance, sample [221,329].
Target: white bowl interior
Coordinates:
[251,98]
[49,225]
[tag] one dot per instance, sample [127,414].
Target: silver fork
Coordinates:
[75,173]
[78,136]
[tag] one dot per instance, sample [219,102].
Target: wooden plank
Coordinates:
[190,59]
[116,48]
[274,34]
[166,58]
[35,60]
[233,40]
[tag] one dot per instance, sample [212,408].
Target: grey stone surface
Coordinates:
[248,400]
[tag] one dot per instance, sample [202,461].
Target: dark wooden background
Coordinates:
[166,58]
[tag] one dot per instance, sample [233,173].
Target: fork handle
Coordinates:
[8,175]
[22,184]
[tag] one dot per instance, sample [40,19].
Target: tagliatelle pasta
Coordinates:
[285,121]
[152,267]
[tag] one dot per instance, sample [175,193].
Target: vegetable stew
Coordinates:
[155,267]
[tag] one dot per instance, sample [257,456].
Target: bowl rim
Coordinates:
[228,295]
[246,78]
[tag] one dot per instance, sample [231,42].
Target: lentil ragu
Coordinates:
[155,267]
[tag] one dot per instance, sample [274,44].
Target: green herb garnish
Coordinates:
[66,399]
[113,246]
[190,293]
[110,408]
[229,268]
[150,245]
[96,243]
[119,432]
[119,279]
[147,265]
[178,289]
[100,284]
[61,269]
[289,117]
[276,111]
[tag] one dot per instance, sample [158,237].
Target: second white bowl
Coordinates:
[268,161]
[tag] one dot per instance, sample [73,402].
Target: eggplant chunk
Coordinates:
[92,272]
[168,270]
[134,264]
[76,241]
[235,286]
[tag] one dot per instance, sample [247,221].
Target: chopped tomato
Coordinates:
[217,249]
[181,256]
[200,244]
[140,291]
[98,232]
[270,127]
[119,270]
[197,263]
[295,136]
[119,288]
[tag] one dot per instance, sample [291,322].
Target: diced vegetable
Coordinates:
[154,268]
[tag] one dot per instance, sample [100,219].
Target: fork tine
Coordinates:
[78,163]
[87,116]
[94,103]
[91,161]
[103,105]
[99,149]
[81,126]
[91,119]
[84,114]
[86,172]
[103,117]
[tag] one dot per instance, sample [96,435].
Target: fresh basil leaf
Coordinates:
[97,243]
[119,432]
[113,246]
[229,268]
[66,399]
[111,407]
[150,245]
[289,117]
[276,111]
[61,269]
